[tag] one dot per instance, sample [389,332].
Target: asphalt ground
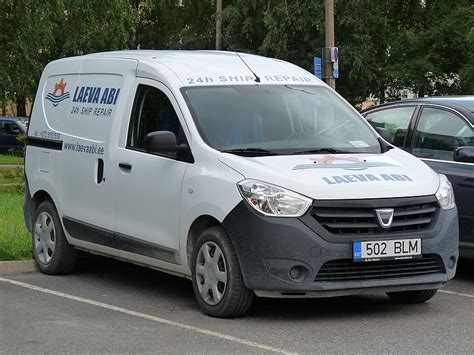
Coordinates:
[108,306]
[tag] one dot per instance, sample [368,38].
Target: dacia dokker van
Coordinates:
[246,174]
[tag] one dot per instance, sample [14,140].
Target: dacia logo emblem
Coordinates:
[385,217]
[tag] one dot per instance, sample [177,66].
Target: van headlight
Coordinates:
[273,200]
[445,193]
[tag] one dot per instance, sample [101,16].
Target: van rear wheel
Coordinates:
[51,251]
[411,297]
[217,278]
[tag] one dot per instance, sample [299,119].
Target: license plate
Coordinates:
[374,250]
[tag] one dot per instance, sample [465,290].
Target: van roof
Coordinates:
[140,54]
[208,67]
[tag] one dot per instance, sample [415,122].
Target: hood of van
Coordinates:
[341,176]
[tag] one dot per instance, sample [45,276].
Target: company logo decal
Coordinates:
[89,101]
[349,163]
[58,94]
[349,179]
[199,80]
[95,95]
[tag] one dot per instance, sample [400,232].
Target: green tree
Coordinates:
[94,26]
[172,24]
[386,47]
[244,26]
[361,55]
[26,32]
[36,32]
[429,54]
[467,72]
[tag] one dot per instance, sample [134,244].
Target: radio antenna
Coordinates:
[257,78]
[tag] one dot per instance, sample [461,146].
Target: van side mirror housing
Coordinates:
[385,134]
[464,154]
[162,142]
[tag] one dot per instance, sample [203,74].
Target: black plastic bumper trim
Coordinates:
[97,235]
[44,143]
[268,249]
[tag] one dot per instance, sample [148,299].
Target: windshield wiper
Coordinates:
[322,150]
[249,152]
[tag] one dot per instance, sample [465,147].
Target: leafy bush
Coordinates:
[20,151]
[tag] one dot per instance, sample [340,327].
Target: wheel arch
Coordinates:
[38,197]
[199,225]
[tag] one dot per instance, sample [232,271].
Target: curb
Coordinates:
[16,267]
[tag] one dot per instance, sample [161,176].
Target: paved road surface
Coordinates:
[112,307]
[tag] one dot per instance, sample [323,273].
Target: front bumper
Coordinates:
[269,247]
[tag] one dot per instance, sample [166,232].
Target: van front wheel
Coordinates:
[52,253]
[217,278]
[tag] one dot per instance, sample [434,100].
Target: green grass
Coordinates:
[15,240]
[6,159]
[11,175]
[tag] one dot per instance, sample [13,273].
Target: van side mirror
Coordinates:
[464,155]
[162,142]
[385,134]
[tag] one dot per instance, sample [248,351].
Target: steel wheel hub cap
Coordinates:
[211,273]
[44,237]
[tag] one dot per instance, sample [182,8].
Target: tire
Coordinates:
[411,297]
[51,251]
[220,268]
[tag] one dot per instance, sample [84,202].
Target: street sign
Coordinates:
[318,67]
[334,54]
[335,70]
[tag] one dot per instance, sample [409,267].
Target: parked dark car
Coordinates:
[440,131]
[10,129]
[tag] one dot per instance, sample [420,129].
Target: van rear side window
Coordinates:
[152,112]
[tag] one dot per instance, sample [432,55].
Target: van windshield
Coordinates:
[272,120]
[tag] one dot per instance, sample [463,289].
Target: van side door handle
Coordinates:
[125,166]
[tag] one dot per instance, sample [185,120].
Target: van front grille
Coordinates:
[347,270]
[363,220]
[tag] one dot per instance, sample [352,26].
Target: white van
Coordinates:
[246,174]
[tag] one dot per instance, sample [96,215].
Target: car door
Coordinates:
[149,184]
[9,131]
[3,137]
[438,132]
[83,172]
[395,119]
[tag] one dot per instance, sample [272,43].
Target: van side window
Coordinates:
[152,111]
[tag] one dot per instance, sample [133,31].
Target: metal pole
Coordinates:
[219,25]
[330,36]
